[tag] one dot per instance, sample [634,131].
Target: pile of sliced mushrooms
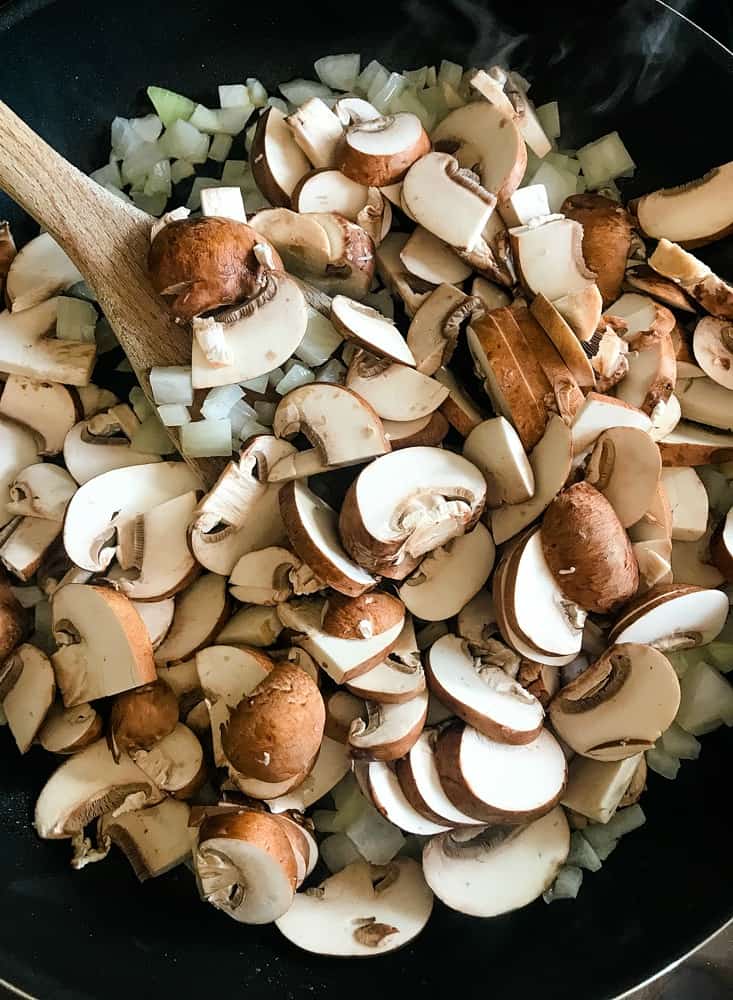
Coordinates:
[429,628]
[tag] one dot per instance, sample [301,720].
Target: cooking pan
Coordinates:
[68,67]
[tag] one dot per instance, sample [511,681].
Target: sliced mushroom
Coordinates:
[721,548]
[581,309]
[652,372]
[278,163]
[153,840]
[607,231]
[691,563]
[27,349]
[175,763]
[48,408]
[341,710]
[419,780]
[645,279]
[7,253]
[656,524]
[481,694]
[397,678]
[342,659]
[688,500]
[600,413]
[673,617]
[476,621]
[329,191]
[88,455]
[713,293]
[41,491]
[201,611]
[391,729]
[447,200]
[157,617]
[450,576]
[39,271]
[550,463]
[625,467]
[640,314]
[317,131]
[564,339]
[25,549]
[410,290]
[713,347]
[18,449]
[265,791]
[430,259]
[458,408]
[559,241]
[241,513]
[406,504]
[706,402]
[596,788]
[494,448]
[182,677]
[500,783]
[331,764]
[395,391]
[689,445]
[252,626]
[525,205]
[303,843]
[429,431]
[13,620]
[69,730]
[362,617]
[27,689]
[245,866]
[142,717]
[499,870]
[665,418]
[263,576]
[692,214]
[567,397]
[370,329]
[379,151]
[379,783]
[436,327]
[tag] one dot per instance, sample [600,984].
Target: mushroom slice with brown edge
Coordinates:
[42,491]
[7,253]
[711,292]
[94,400]
[640,314]
[153,840]
[484,139]
[489,293]
[241,512]
[449,576]
[331,764]
[375,218]
[201,611]
[157,617]
[302,841]
[26,547]
[263,576]
[329,191]
[317,131]
[645,279]
[368,328]
[397,678]
[86,786]
[557,242]
[350,270]
[391,729]
[97,507]
[252,626]
[476,621]
[600,413]
[596,788]
[436,327]
[567,395]
[362,617]
[706,402]
[362,911]
[341,425]
[721,547]
[261,334]
[182,678]
[482,695]
[175,763]
[278,163]
[458,408]
[625,467]
[265,791]
[581,309]
[28,349]
[620,705]
[411,291]
[48,408]
[18,449]
[652,372]
[550,462]
[681,618]
[341,659]
[406,504]
[379,151]
[499,870]
[688,501]
[607,229]
[93,447]
[527,361]
[713,346]
[496,782]
[429,430]
[301,242]
[142,717]
[245,866]
[69,730]
[298,656]
[418,776]
[689,445]
[494,448]
[447,201]
[14,620]
[380,784]
[665,418]
[341,710]
[692,214]
[27,688]
[312,527]
[564,339]
[40,270]
[429,258]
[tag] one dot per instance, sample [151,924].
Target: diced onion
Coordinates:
[368,75]
[280,104]
[240,414]
[140,161]
[680,744]
[182,141]
[260,383]
[153,204]
[257,93]
[207,439]
[117,193]
[337,851]
[566,885]
[124,137]
[298,375]
[662,763]
[392,87]
[76,320]
[231,121]
[200,184]
[81,290]
[599,836]
[174,415]
[333,371]
[380,78]
[274,376]
[148,128]
[408,100]
[375,838]
[453,99]
[252,428]
[219,401]
[172,384]
[720,654]
[159,180]
[707,700]
[180,170]
[382,301]
[622,822]
[139,403]
[549,117]
[108,174]
[220,147]
[170,106]
[320,340]
[297,92]
[559,184]
[450,73]
[417,78]
[607,849]
[605,159]
[265,412]
[563,162]
[28,597]
[235,172]
[235,95]
[338,72]
[582,853]
[151,437]
[323,821]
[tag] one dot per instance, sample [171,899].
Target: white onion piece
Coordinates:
[220,401]
[300,91]
[338,72]
[337,851]
[183,141]
[662,763]
[549,116]
[207,439]
[605,159]
[220,147]
[257,93]
[174,415]
[235,95]
[172,385]
[296,375]
[566,885]
[320,340]
[230,121]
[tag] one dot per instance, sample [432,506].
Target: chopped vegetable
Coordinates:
[172,385]
[170,107]
[297,375]
[207,438]
[663,763]
[604,160]
[231,121]
[76,320]
[220,401]
[220,147]
[181,140]
[174,415]
[566,885]
[338,72]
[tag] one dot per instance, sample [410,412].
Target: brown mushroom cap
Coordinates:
[13,620]
[588,551]
[204,264]
[606,238]
[362,617]
[276,731]
[142,716]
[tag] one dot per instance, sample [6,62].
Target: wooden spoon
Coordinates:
[108,240]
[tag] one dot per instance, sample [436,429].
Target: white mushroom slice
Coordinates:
[486,141]
[449,576]
[87,785]
[447,201]
[318,132]
[652,372]
[263,576]
[104,647]
[298,656]
[332,763]
[379,783]
[241,512]
[656,524]
[261,335]
[689,444]
[406,504]
[494,448]
[253,787]
[491,296]
[28,349]
[278,163]
[330,191]
[369,329]
[595,788]
[391,729]
[500,782]
[400,677]
[175,763]
[40,270]
[712,343]
[429,430]
[88,455]
[564,339]
[706,402]
[418,776]
[201,611]
[549,258]
[429,258]
[224,203]
[378,151]
[639,313]
[24,550]
[625,467]
[302,243]
[499,871]
[342,427]
[97,506]
[550,462]
[458,408]
[351,263]
[69,730]
[654,558]
[692,214]
[674,618]
[600,413]
[691,563]
[618,706]
[354,109]
[41,491]
[362,911]
[252,626]
[405,286]
[476,621]
[48,408]
[395,391]
[341,710]
[153,840]
[342,659]
[245,866]
[582,310]
[27,689]
[157,617]
[696,278]
[688,500]
[665,417]
[18,449]
[313,530]
[436,327]
[482,695]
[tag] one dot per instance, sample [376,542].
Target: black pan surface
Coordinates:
[68,67]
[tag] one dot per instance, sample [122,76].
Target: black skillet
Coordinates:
[68,67]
